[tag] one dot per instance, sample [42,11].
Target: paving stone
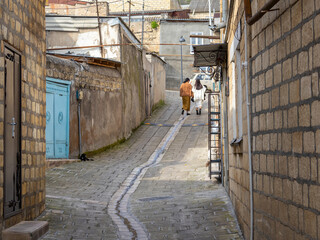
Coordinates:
[174,200]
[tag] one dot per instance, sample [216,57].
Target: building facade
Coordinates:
[280,51]
[22,110]
[174,54]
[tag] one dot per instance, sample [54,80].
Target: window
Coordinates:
[236,99]
[195,41]
[239,94]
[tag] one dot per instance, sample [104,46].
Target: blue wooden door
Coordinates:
[57,115]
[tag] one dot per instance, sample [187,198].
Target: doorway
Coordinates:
[12,132]
[57,118]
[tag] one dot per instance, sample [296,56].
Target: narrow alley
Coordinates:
[155,185]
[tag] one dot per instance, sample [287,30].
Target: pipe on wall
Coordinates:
[245,64]
[262,11]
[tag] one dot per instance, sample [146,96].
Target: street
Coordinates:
[155,185]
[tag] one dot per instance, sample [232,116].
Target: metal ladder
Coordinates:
[214,136]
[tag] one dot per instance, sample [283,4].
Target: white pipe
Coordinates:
[209,2]
[224,10]
[142,20]
[245,64]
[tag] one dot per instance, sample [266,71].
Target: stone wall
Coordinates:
[101,116]
[170,33]
[22,25]
[238,181]
[285,69]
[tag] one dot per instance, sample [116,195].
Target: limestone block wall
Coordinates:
[285,67]
[22,26]
[237,179]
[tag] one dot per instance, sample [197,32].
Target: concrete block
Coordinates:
[306,88]
[281,49]
[316,56]
[296,16]
[308,142]
[26,230]
[287,69]
[294,89]
[303,62]
[315,113]
[293,167]
[296,40]
[310,223]
[308,8]
[304,168]
[284,95]
[304,115]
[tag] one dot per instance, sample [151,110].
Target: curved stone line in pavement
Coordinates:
[129,227]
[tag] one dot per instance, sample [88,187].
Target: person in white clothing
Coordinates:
[199,92]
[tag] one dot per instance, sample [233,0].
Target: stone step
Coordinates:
[26,230]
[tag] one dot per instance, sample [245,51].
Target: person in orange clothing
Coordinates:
[186,94]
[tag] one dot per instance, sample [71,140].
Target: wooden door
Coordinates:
[12,133]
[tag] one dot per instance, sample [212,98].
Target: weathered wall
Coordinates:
[170,33]
[286,121]
[89,9]
[101,117]
[79,9]
[133,86]
[22,25]
[155,74]
[149,5]
[159,79]
[284,68]
[85,36]
[150,37]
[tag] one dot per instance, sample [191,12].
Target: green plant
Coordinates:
[154,24]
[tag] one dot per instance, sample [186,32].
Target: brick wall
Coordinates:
[285,67]
[22,25]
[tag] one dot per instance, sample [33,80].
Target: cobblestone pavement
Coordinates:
[153,186]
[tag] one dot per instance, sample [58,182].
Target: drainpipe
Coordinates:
[79,94]
[222,24]
[224,10]
[100,34]
[79,125]
[209,4]
[245,64]
[142,30]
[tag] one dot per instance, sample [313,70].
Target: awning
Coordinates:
[210,55]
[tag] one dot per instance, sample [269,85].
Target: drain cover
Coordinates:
[154,199]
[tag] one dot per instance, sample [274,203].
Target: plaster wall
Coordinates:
[170,32]
[101,116]
[87,37]
[133,86]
